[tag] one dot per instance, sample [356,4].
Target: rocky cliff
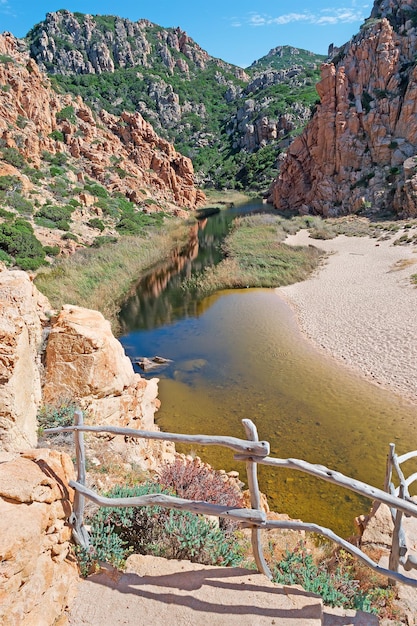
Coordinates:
[51,363]
[69,358]
[54,150]
[22,321]
[358,153]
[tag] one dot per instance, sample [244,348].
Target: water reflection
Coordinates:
[158,298]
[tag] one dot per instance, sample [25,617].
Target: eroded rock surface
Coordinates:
[85,362]
[22,317]
[38,573]
[359,151]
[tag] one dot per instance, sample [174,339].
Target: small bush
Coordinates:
[60,158]
[103,240]
[96,190]
[67,113]
[52,250]
[96,222]
[336,588]
[70,236]
[16,201]
[56,135]
[10,182]
[21,121]
[5,258]
[55,170]
[33,174]
[13,157]
[18,240]
[6,59]
[159,531]
[58,216]
[194,480]
[7,215]
[61,413]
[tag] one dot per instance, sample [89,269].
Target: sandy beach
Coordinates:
[361,307]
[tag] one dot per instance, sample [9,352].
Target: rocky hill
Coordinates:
[359,151]
[74,174]
[217,114]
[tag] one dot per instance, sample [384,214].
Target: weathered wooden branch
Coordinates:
[255,501]
[401,477]
[76,519]
[409,481]
[172,502]
[397,549]
[326,532]
[256,448]
[407,456]
[320,471]
[388,471]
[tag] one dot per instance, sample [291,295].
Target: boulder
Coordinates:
[85,363]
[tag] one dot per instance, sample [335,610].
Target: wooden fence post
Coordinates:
[388,472]
[76,519]
[255,500]
[394,557]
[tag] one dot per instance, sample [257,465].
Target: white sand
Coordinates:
[361,308]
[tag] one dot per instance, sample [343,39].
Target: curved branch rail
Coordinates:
[257,448]
[331,476]
[253,452]
[172,502]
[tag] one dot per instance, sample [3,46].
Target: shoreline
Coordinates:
[360,308]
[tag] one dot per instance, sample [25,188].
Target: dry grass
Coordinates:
[402,264]
[256,257]
[99,278]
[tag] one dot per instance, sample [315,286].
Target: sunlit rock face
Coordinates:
[359,150]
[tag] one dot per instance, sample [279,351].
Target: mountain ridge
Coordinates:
[194,100]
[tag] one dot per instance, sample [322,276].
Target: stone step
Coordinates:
[155,592]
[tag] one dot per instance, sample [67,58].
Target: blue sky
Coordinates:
[237,31]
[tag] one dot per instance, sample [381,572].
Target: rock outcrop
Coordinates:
[35,120]
[196,101]
[74,358]
[38,572]
[359,151]
[22,321]
[84,362]
[96,44]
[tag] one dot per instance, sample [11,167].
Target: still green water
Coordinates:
[240,354]
[250,361]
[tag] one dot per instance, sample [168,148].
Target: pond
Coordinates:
[239,354]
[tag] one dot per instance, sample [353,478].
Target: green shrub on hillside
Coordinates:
[13,157]
[55,216]
[59,158]
[67,113]
[17,239]
[57,135]
[96,222]
[135,223]
[10,182]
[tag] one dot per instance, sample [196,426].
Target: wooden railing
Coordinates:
[399,540]
[253,452]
